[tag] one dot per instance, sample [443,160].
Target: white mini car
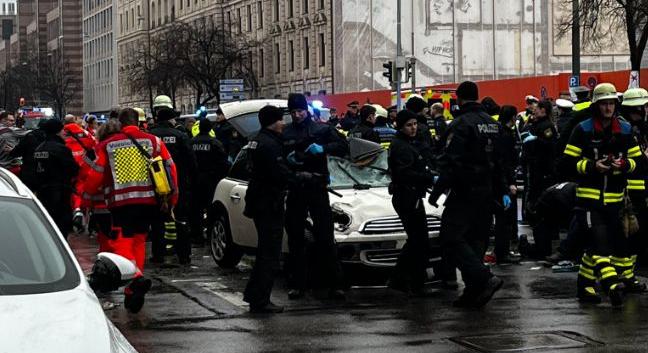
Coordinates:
[367,229]
[45,300]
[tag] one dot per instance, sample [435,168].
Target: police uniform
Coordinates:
[212,166]
[311,198]
[438,128]
[264,203]
[600,195]
[25,150]
[365,130]
[506,228]
[56,170]
[470,169]
[411,178]
[177,144]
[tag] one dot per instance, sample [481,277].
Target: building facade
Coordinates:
[100,81]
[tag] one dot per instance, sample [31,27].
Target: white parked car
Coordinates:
[367,229]
[45,300]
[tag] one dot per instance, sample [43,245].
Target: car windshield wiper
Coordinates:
[357,184]
[385,171]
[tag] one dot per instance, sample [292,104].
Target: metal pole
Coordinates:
[399,53]
[575,38]
[413,60]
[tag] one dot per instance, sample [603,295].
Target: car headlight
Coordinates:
[341,220]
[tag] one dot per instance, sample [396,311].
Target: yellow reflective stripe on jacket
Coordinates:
[588,193]
[581,106]
[612,197]
[634,152]
[195,130]
[633,165]
[495,117]
[573,151]
[581,166]
[636,184]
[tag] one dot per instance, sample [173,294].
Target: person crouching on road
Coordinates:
[410,180]
[56,171]
[264,203]
[122,169]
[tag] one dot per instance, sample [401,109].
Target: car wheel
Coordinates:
[225,253]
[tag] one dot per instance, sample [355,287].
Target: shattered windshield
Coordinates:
[364,174]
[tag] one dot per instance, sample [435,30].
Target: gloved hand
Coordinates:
[435,179]
[506,202]
[292,159]
[315,149]
[529,138]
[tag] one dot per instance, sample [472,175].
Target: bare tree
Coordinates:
[600,17]
[55,82]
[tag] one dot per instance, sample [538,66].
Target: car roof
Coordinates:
[234,109]
[11,186]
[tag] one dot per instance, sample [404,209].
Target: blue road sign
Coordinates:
[574,81]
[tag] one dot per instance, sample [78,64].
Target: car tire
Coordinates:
[225,253]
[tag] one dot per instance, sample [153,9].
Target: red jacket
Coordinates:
[78,149]
[122,171]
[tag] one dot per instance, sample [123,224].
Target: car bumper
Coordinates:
[380,250]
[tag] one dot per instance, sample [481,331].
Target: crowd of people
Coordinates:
[582,163]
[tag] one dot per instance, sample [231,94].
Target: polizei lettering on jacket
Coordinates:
[487,128]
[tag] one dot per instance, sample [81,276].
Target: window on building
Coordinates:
[321,5]
[277,56]
[153,17]
[290,8]
[305,6]
[249,18]
[322,50]
[259,14]
[121,22]
[159,13]
[229,21]
[306,55]
[291,57]
[239,20]
[133,18]
[181,4]
[126,20]
[276,10]
[188,3]
[261,63]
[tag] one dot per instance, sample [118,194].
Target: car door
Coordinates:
[241,227]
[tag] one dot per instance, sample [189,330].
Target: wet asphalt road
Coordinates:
[199,309]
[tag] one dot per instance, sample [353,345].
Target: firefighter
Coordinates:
[56,173]
[365,129]
[473,178]
[175,230]
[634,109]
[538,158]
[212,166]
[308,145]
[141,119]
[122,171]
[599,156]
[411,178]
[264,203]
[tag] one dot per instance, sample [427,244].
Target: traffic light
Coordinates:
[410,66]
[389,71]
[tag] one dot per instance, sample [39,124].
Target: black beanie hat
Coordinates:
[468,90]
[415,104]
[52,126]
[165,114]
[269,114]
[403,117]
[205,126]
[297,101]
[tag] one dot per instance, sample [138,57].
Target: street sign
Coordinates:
[227,96]
[574,81]
[232,81]
[232,88]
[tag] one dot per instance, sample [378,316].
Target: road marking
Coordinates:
[233,298]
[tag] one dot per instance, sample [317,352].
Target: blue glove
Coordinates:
[315,149]
[529,138]
[506,202]
[292,159]
[435,178]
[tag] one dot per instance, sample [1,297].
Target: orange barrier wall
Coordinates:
[505,92]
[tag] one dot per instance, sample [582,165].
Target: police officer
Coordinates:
[25,150]
[411,178]
[383,126]
[524,116]
[470,169]
[563,123]
[418,106]
[178,145]
[212,166]
[438,127]
[599,156]
[365,129]
[56,171]
[538,158]
[352,116]
[308,144]
[264,203]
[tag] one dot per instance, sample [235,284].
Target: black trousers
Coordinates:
[506,228]
[465,225]
[301,203]
[415,255]
[269,228]
[56,201]
[201,199]
[182,242]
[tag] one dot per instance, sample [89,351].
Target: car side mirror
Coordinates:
[110,272]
